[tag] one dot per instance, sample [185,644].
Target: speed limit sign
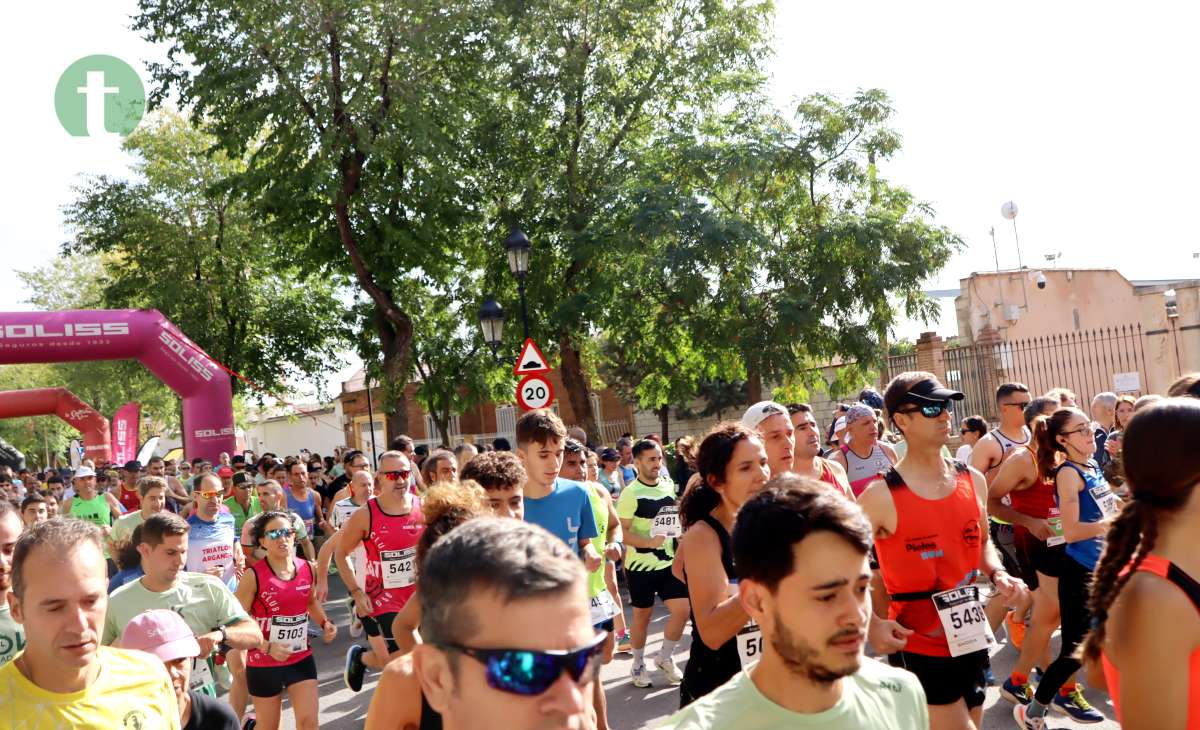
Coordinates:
[535,391]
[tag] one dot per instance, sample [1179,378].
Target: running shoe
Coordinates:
[353,673]
[1025,722]
[1016,630]
[640,675]
[1021,694]
[1076,706]
[356,627]
[668,668]
[623,646]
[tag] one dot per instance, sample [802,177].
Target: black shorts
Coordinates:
[945,679]
[1005,542]
[381,625]
[644,584]
[608,625]
[1036,558]
[272,681]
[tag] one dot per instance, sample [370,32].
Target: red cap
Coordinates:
[225,472]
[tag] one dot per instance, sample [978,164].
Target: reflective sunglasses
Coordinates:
[930,410]
[396,476]
[528,673]
[280,532]
[209,495]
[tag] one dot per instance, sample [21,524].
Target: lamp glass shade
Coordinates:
[517,245]
[491,321]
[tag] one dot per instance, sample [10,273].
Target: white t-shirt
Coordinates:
[963,454]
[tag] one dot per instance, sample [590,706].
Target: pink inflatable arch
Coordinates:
[132,334]
[67,406]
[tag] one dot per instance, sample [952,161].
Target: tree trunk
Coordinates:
[754,385]
[575,383]
[664,419]
[395,347]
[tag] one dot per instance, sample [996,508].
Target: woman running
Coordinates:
[278,593]
[1146,599]
[398,703]
[1088,507]
[864,458]
[732,465]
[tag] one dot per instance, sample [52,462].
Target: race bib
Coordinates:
[1055,520]
[666,523]
[399,567]
[1105,500]
[749,644]
[603,607]
[966,625]
[201,675]
[290,632]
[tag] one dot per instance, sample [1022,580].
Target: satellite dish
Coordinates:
[1009,210]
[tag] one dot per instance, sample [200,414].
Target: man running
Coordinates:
[243,503]
[807,460]
[12,637]
[91,506]
[770,420]
[930,528]
[650,524]
[491,567]
[178,498]
[64,678]
[503,478]
[861,454]
[213,542]
[304,501]
[205,603]
[34,510]
[388,529]
[153,492]
[803,578]
[362,488]
[128,493]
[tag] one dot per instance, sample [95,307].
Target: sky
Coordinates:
[1079,112]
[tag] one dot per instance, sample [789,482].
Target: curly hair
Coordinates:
[446,506]
[495,470]
[1162,466]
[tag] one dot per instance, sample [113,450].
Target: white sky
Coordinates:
[1080,112]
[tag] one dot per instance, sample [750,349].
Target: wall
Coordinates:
[288,435]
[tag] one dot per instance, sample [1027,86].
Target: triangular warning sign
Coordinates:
[531,360]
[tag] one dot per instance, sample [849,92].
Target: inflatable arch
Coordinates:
[132,334]
[67,406]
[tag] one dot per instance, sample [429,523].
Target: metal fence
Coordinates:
[970,370]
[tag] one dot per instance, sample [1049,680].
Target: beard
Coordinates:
[801,658]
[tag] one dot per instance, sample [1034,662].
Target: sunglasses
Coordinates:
[396,476]
[528,673]
[280,532]
[209,495]
[931,410]
[1022,405]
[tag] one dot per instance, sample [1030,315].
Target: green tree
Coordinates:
[178,240]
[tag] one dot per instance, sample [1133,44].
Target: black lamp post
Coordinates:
[491,321]
[517,245]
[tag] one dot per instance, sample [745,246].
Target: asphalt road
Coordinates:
[629,707]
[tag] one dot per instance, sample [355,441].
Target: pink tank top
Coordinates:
[281,609]
[391,546]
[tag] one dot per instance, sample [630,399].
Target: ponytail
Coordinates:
[1045,438]
[697,502]
[1132,535]
[712,459]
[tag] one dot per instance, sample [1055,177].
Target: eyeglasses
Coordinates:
[931,410]
[1022,404]
[1081,429]
[396,476]
[209,495]
[528,673]
[280,532]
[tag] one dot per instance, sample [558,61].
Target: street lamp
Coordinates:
[517,245]
[491,321]
[1171,303]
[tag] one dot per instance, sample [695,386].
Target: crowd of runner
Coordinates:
[484,583]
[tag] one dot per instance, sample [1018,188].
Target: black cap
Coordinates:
[242,477]
[931,391]
[134,465]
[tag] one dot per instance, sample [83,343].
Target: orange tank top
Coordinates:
[936,546]
[1167,570]
[829,477]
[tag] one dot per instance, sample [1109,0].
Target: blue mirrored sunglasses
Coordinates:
[931,410]
[528,672]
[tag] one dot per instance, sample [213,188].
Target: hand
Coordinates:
[325,527]
[322,590]
[1040,529]
[591,559]
[1011,589]
[1113,447]
[612,551]
[278,652]
[888,637]
[215,570]
[208,642]
[657,542]
[362,602]
[330,631]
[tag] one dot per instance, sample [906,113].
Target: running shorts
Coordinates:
[1002,538]
[645,584]
[381,625]
[1036,558]
[945,679]
[272,681]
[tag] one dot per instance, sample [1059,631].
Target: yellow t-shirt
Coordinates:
[132,692]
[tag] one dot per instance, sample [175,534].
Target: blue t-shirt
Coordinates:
[629,473]
[122,577]
[1095,490]
[307,509]
[565,512]
[212,544]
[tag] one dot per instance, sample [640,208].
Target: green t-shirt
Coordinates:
[241,515]
[12,635]
[600,512]
[876,696]
[201,599]
[641,502]
[123,528]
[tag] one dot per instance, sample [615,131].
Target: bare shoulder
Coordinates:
[876,502]
[979,482]
[1150,608]
[699,534]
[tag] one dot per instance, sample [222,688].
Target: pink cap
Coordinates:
[162,633]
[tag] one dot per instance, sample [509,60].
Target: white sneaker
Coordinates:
[668,668]
[356,627]
[640,675]
[1025,722]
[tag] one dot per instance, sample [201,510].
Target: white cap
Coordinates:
[83,471]
[760,412]
[839,424]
